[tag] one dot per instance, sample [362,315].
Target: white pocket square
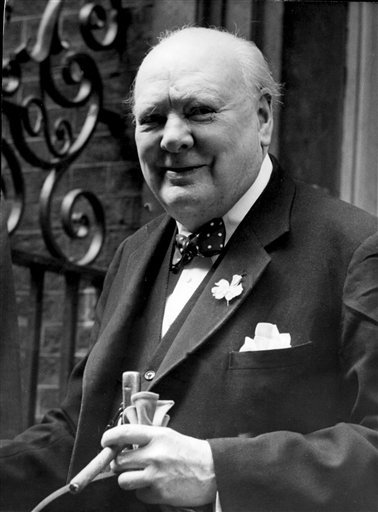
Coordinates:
[267,337]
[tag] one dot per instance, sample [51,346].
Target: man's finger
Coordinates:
[130,480]
[128,459]
[123,435]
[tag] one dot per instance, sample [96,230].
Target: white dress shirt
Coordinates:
[193,274]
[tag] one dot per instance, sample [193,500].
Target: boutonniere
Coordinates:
[223,289]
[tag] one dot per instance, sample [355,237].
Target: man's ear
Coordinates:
[265,115]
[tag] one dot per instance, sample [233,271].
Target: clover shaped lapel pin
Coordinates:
[224,289]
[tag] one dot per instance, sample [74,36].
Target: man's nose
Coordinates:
[177,135]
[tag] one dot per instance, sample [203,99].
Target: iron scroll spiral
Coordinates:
[95,19]
[76,224]
[18,203]
[30,119]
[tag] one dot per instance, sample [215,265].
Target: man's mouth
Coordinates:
[181,169]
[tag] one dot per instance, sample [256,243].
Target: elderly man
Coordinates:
[232,305]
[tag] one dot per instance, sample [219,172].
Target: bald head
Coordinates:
[243,61]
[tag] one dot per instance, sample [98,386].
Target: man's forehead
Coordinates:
[188,51]
[188,71]
[185,89]
[179,83]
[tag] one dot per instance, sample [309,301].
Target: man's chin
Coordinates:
[185,209]
[178,198]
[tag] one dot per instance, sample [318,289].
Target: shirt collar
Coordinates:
[233,217]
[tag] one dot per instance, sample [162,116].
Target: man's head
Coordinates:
[203,112]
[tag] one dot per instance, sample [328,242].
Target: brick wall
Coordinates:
[108,167]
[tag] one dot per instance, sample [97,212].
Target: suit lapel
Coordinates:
[140,269]
[247,254]
[101,376]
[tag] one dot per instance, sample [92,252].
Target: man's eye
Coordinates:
[201,112]
[151,119]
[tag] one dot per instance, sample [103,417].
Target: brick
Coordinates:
[51,339]
[102,148]
[47,398]
[13,36]
[123,211]
[24,332]
[21,280]
[30,83]
[31,29]
[124,177]
[91,177]
[39,149]
[78,249]
[54,281]
[49,370]
[87,302]
[30,218]
[23,9]
[53,306]
[23,301]
[70,29]
[117,87]
[33,181]
[28,241]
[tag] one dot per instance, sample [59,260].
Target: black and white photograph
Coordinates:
[189,256]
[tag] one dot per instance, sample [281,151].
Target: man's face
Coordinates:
[200,139]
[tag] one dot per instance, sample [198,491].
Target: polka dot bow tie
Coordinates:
[208,241]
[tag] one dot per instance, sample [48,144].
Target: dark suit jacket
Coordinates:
[290,429]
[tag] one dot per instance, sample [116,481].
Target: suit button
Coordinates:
[149,375]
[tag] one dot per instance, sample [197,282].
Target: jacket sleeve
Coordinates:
[36,462]
[334,469]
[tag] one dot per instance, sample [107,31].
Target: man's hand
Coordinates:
[167,468]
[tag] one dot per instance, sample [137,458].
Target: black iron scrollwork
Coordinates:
[18,202]
[30,118]
[76,224]
[100,29]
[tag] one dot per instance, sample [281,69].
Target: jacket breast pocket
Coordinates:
[265,359]
[271,390]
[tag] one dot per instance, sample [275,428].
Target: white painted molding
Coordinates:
[359,169]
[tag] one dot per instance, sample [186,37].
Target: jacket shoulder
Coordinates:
[331,217]
[126,249]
